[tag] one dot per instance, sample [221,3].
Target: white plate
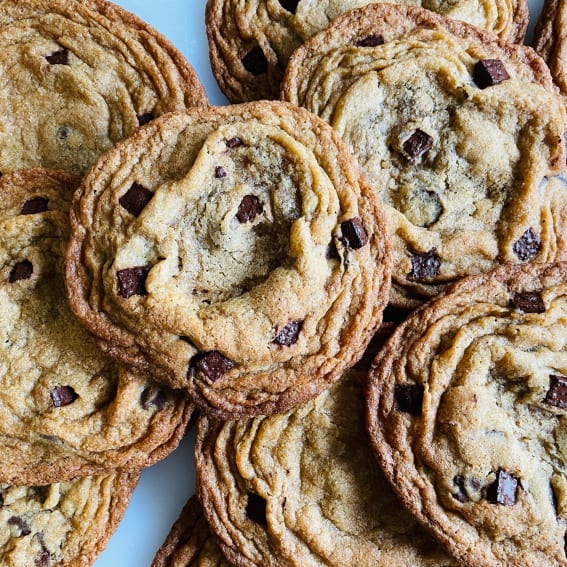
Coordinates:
[164,488]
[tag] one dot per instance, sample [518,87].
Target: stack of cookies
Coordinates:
[163,258]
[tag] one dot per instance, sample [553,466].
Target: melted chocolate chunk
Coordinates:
[220,172]
[212,364]
[557,394]
[62,396]
[256,509]
[135,199]
[503,490]
[409,398]
[255,61]
[60,57]
[289,5]
[145,118]
[426,265]
[34,206]
[20,524]
[21,271]
[528,302]
[153,398]
[44,557]
[527,246]
[289,334]
[354,235]
[132,281]
[489,72]
[417,144]
[234,142]
[250,207]
[370,41]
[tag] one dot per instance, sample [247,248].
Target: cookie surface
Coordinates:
[448,124]
[250,41]
[303,488]
[77,77]
[248,261]
[466,407]
[66,409]
[66,524]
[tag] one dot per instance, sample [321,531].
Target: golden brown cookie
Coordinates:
[250,41]
[449,125]
[466,412]
[66,409]
[236,252]
[77,76]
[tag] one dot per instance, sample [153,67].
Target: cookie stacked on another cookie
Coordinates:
[250,41]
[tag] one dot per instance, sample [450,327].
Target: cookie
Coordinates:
[466,407]
[190,542]
[235,252]
[448,123]
[66,524]
[251,41]
[77,77]
[66,408]
[303,488]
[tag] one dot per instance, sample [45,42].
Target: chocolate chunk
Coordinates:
[63,132]
[20,524]
[557,394]
[489,72]
[256,509]
[220,172]
[60,57]
[528,302]
[132,281]
[35,205]
[135,199]
[409,398]
[234,142]
[370,41]
[289,5]
[62,396]
[250,207]
[417,144]
[44,557]
[255,61]
[354,235]
[21,271]
[212,364]
[426,265]
[527,246]
[503,489]
[145,118]
[460,495]
[152,397]
[289,334]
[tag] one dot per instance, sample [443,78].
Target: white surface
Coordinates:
[164,488]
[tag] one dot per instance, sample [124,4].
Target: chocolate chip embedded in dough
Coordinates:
[132,281]
[289,5]
[34,206]
[424,266]
[255,61]
[528,302]
[409,398]
[289,334]
[256,509]
[20,524]
[250,207]
[353,234]
[136,198]
[145,118]
[527,246]
[556,396]
[460,495]
[370,41]
[503,490]
[62,396]
[59,57]
[21,271]
[212,364]
[489,72]
[417,144]
[234,142]
[152,397]
[220,172]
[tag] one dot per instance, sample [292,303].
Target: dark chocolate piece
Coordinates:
[289,5]
[255,61]
[557,394]
[409,398]
[145,118]
[132,281]
[527,246]
[256,509]
[503,490]
[289,334]
[489,72]
[417,144]
[426,265]
[62,396]
[34,206]
[234,142]
[20,524]
[135,199]
[354,235]
[220,172]
[461,494]
[370,41]
[21,271]
[250,207]
[528,302]
[212,364]
[60,57]
[153,398]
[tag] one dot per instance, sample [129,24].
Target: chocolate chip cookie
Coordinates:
[466,407]
[66,408]
[250,41]
[77,76]
[303,488]
[235,252]
[449,125]
[66,524]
